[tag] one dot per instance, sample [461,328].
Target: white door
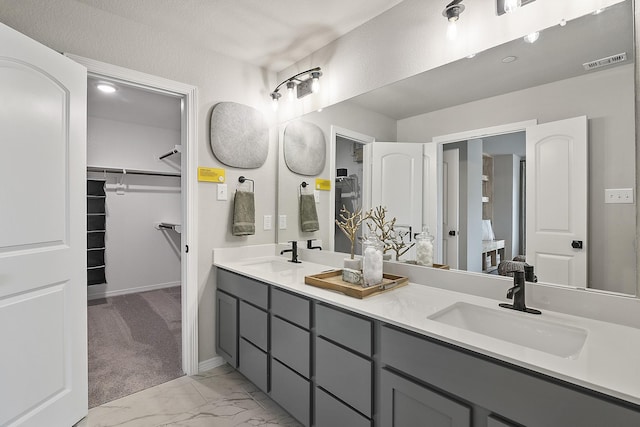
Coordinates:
[557,201]
[450,206]
[43,323]
[396,182]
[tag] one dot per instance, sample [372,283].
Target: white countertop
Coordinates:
[609,361]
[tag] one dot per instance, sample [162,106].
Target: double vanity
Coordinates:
[419,355]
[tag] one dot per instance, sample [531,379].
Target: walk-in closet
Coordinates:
[134,224]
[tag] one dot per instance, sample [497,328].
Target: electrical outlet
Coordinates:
[618,195]
[222,191]
[267,222]
[282,222]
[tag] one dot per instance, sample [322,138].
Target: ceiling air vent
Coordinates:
[609,60]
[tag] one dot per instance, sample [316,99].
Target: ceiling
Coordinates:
[558,54]
[268,33]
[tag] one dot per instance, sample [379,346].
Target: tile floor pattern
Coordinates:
[221,397]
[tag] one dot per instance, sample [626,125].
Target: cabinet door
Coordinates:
[407,404]
[227,327]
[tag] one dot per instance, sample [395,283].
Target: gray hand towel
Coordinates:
[244,214]
[308,213]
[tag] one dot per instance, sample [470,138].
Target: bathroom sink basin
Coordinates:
[273,266]
[514,327]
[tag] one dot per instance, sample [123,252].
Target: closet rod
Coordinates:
[176,149]
[131,171]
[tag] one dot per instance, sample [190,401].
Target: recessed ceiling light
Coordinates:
[106,88]
[532,38]
[508,59]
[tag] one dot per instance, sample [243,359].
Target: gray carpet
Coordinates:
[135,343]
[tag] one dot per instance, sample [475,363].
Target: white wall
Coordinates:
[605,99]
[138,257]
[73,27]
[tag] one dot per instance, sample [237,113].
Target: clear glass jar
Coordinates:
[424,249]
[372,249]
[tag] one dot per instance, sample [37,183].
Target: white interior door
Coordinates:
[557,201]
[450,206]
[396,181]
[43,296]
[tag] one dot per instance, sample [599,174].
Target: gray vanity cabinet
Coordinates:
[343,367]
[291,353]
[227,327]
[502,391]
[405,403]
[245,330]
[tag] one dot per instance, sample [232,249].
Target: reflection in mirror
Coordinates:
[546,83]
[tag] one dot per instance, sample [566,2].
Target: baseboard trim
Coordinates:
[102,294]
[209,364]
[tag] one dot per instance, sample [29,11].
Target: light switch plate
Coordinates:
[618,195]
[222,191]
[267,222]
[282,222]
[316,196]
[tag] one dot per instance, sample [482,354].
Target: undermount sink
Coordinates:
[273,266]
[514,327]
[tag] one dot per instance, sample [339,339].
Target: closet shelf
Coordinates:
[130,171]
[176,149]
[168,226]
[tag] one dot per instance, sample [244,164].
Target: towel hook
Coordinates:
[303,186]
[242,179]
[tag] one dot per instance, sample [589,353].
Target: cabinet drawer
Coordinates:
[290,345]
[257,293]
[345,375]
[291,391]
[253,364]
[291,307]
[346,329]
[227,328]
[330,412]
[253,325]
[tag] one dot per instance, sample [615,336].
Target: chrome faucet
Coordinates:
[517,294]
[294,252]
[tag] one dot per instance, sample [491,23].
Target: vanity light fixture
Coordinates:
[300,85]
[106,88]
[452,12]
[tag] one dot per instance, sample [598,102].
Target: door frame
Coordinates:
[337,131]
[440,140]
[189,140]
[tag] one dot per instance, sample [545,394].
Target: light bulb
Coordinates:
[532,38]
[274,100]
[315,82]
[511,5]
[452,30]
[290,90]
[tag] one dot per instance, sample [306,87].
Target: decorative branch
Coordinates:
[350,223]
[381,228]
[397,243]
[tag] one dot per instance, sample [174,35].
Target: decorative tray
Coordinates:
[333,280]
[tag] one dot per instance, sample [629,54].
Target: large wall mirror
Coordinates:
[483,110]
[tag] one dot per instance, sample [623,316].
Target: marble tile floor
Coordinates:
[221,397]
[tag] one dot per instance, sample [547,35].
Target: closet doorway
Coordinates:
[142,307]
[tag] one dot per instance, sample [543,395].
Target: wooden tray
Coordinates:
[333,280]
